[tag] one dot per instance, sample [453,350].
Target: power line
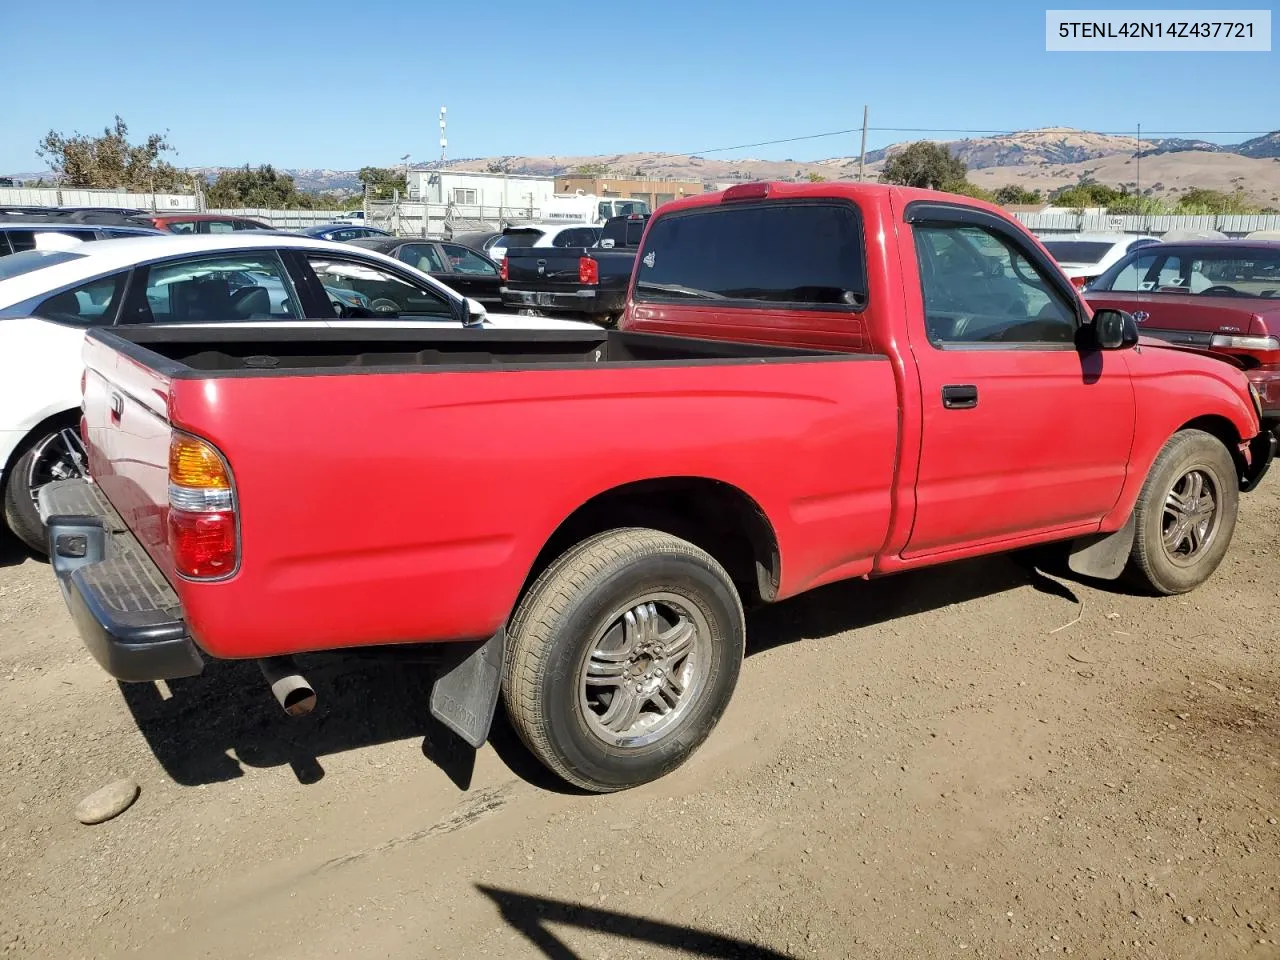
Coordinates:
[988,131]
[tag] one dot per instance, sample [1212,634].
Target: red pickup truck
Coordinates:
[810,383]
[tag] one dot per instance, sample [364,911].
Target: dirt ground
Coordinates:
[978,760]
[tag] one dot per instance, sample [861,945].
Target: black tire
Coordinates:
[20,511]
[1152,564]
[555,630]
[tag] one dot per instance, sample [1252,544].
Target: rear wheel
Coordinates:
[56,454]
[622,658]
[1185,515]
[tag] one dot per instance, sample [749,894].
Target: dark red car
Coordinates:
[1219,294]
[199,222]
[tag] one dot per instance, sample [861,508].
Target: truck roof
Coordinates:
[834,189]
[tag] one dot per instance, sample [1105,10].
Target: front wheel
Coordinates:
[622,657]
[1185,515]
[56,455]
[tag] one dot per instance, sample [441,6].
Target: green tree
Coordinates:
[381,183]
[111,161]
[1013,193]
[263,187]
[967,189]
[923,164]
[1199,200]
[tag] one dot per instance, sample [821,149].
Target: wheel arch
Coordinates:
[716,516]
[62,418]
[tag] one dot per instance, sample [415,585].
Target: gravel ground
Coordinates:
[947,763]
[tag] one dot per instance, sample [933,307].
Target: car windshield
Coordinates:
[1078,251]
[519,238]
[29,260]
[1228,270]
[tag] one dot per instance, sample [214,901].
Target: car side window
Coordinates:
[980,288]
[358,289]
[218,289]
[88,305]
[423,256]
[467,261]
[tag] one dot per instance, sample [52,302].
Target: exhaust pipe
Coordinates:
[288,686]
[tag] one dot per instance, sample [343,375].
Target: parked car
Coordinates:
[479,241]
[48,298]
[1222,295]
[342,232]
[460,268]
[1084,256]
[587,282]
[542,235]
[812,382]
[34,232]
[199,222]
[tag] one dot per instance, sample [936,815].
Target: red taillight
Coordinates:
[203,539]
[203,544]
[746,191]
[502,269]
[588,271]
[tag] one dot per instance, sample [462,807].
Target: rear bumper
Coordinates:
[575,301]
[126,613]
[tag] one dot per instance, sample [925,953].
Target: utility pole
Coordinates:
[1138,160]
[862,156]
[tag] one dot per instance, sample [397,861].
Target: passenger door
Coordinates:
[249,289]
[359,292]
[1023,432]
[471,274]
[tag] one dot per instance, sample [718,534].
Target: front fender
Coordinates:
[1175,390]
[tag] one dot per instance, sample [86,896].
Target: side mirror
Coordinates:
[473,313]
[1114,329]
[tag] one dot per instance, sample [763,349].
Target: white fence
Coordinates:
[53,197]
[1233,225]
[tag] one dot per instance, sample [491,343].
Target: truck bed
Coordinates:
[399,486]
[192,353]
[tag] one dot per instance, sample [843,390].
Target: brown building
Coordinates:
[657,192]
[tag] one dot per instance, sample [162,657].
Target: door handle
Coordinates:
[960,396]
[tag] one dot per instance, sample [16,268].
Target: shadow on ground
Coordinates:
[215,725]
[530,915]
[12,550]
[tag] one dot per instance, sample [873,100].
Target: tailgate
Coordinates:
[544,268]
[126,421]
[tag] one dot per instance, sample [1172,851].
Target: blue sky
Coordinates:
[341,85]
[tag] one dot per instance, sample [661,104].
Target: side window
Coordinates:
[361,290]
[218,289]
[88,305]
[467,261]
[181,226]
[980,288]
[423,256]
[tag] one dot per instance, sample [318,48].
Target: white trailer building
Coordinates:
[469,188]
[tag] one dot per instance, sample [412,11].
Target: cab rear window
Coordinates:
[800,254]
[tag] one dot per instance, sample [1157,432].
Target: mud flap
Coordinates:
[1102,556]
[465,694]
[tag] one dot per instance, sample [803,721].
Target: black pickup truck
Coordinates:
[583,282]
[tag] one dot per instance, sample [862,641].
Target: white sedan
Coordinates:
[1084,256]
[49,297]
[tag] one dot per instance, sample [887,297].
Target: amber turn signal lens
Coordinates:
[193,463]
